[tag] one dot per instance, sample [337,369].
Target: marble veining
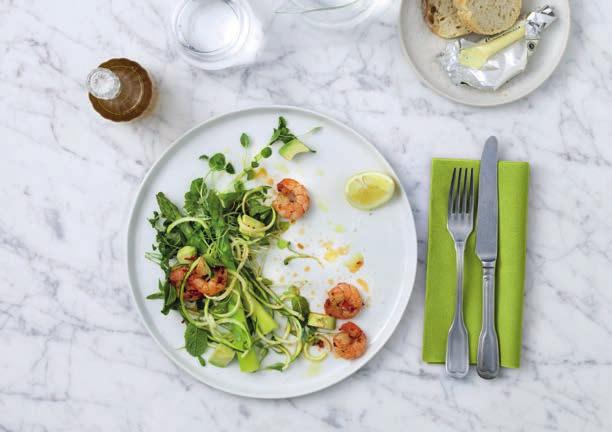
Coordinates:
[74,354]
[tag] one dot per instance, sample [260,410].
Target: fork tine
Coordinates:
[471,191]
[460,192]
[466,193]
[450,193]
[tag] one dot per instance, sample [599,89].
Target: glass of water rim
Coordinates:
[335,13]
[212,34]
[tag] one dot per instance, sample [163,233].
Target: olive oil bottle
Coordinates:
[120,90]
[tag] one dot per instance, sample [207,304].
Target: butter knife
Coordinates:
[487,362]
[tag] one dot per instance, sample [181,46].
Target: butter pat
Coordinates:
[476,56]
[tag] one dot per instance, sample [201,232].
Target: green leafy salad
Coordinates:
[212,251]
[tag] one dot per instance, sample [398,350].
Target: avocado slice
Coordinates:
[321,321]
[249,362]
[222,356]
[186,255]
[265,322]
[250,226]
[294,147]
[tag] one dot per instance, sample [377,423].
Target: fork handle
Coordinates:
[457,348]
[487,363]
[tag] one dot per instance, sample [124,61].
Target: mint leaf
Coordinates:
[196,340]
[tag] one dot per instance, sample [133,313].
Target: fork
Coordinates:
[460,224]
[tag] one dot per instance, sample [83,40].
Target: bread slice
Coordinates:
[488,17]
[441,17]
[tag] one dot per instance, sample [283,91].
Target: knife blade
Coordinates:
[486,219]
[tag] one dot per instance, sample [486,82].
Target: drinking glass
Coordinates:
[335,13]
[215,34]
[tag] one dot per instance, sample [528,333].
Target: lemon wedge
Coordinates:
[369,190]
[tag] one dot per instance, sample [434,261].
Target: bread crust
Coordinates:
[475,23]
[433,18]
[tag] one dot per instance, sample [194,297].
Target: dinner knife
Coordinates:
[487,362]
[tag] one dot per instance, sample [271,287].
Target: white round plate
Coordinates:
[386,237]
[421,47]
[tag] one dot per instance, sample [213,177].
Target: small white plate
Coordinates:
[421,47]
[386,237]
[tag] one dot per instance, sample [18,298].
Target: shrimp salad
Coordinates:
[211,251]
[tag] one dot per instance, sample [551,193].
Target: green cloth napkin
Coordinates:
[441,285]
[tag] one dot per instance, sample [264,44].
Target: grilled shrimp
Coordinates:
[351,342]
[209,285]
[199,283]
[177,274]
[343,301]
[292,200]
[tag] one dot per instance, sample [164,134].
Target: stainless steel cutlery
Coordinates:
[460,224]
[487,363]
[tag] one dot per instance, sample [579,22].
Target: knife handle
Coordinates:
[487,363]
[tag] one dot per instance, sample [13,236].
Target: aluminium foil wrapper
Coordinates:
[502,66]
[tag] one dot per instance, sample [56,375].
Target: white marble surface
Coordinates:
[74,354]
